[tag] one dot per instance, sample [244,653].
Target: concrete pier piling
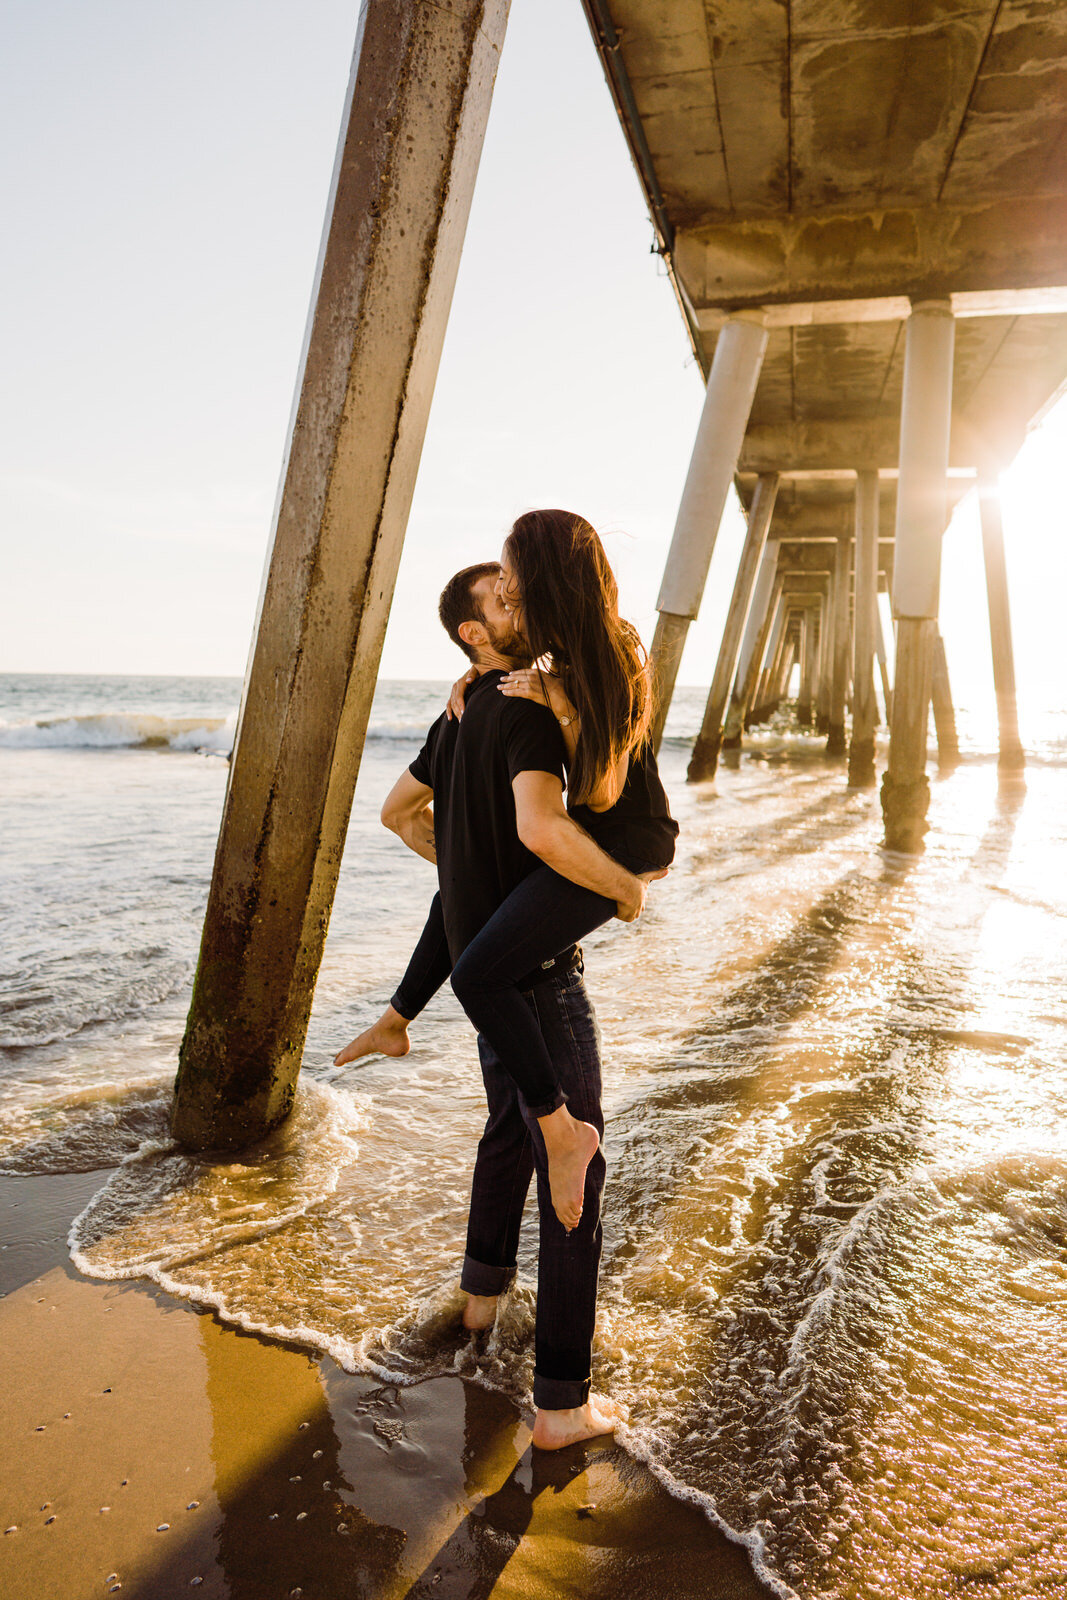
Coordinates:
[883,666]
[948,744]
[807,667]
[842,646]
[753,645]
[735,371]
[759,667]
[922,499]
[417,106]
[824,665]
[1012,758]
[861,773]
[705,755]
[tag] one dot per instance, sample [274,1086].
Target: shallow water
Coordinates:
[834,1290]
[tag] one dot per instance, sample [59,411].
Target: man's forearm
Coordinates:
[417,833]
[567,849]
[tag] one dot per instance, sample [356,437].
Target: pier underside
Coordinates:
[869,188]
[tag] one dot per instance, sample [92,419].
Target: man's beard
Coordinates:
[507,642]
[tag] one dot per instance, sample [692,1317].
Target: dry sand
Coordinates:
[152,1451]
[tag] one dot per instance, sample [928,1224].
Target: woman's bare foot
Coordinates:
[570,1146]
[388,1037]
[553,1430]
[480,1312]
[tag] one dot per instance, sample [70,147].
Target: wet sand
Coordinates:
[153,1451]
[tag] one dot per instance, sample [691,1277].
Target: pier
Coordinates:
[864,221]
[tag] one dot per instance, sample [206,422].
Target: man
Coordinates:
[485,799]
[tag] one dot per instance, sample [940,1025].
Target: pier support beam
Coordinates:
[705,757]
[839,661]
[824,662]
[419,96]
[861,773]
[768,703]
[808,646]
[922,503]
[735,371]
[753,646]
[765,649]
[790,656]
[948,745]
[1012,758]
[883,667]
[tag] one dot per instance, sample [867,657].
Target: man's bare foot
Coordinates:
[480,1312]
[388,1037]
[570,1146]
[553,1430]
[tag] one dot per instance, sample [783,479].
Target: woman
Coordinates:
[559,587]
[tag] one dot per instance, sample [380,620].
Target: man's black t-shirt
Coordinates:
[470,765]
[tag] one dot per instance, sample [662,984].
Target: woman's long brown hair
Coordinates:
[570,608]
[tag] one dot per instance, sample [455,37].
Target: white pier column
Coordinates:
[861,773]
[1012,757]
[922,505]
[705,757]
[411,136]
[735,371]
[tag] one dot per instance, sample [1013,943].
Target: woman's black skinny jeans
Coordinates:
[541,918]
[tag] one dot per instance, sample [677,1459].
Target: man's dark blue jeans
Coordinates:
[510,1150]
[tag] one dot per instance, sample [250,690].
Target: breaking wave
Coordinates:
[141,731]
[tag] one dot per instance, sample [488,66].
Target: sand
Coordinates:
[152,1451]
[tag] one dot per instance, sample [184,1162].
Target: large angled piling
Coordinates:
[418,100]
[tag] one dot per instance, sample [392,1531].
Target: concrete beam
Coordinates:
[896,308]
[419,95]
[821,522]
[923,252]
[810,449]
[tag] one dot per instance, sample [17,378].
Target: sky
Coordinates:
[165,169]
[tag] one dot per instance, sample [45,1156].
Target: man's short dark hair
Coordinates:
[458,603]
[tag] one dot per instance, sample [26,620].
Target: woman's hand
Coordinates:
[530,683]
[525,684]
[457,699]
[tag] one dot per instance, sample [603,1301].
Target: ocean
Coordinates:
[834,1287]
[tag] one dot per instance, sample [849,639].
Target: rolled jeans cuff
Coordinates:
[560,1394]
[546,1110]
[478,1277]
[407,1008]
